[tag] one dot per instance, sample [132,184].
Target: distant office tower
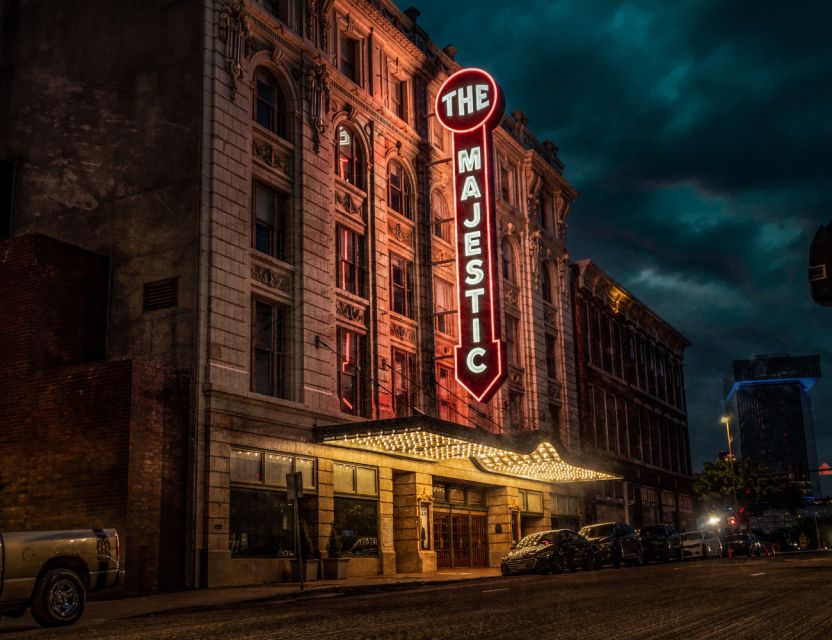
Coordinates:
[775,413]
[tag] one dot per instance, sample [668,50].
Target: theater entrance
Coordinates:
[460,538]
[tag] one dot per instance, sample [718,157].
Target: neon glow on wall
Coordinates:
[469,105]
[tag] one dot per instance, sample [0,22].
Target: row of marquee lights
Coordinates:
[544,463]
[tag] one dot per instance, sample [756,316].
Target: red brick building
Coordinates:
[631,392]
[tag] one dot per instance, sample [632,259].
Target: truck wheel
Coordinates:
[59,598]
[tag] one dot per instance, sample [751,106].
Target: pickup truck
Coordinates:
[52,571]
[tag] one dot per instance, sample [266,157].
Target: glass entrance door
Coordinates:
[460,539]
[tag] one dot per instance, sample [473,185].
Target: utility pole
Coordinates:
[726,420]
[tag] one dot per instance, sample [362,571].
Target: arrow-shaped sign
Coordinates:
[469,104]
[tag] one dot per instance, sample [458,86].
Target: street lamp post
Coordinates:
[726,420]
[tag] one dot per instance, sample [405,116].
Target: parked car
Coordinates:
[713,545]
[742,544]
[52,571]
[551,552]
[661,542]
[693,545]
[617,542]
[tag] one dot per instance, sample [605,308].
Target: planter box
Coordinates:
[336,568]
[310,572]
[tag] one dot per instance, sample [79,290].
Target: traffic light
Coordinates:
[731,521]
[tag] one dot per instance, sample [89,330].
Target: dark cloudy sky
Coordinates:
[699,133]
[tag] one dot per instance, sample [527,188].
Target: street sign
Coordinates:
[470,106]
[294,485]
[803,541]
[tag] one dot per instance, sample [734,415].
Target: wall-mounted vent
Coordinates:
[817,273]
[162,294]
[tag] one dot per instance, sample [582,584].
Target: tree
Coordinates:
[758,488]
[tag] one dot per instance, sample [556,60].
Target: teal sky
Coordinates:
[699,135]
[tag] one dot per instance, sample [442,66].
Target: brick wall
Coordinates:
[85,444]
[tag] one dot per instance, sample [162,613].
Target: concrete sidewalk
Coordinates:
[98,610]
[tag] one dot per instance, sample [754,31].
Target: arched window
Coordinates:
[349,157]
[398,191]
[440,218]
[509,262]
[269,103]
[546,283]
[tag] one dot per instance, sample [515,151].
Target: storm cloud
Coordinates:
[698,134]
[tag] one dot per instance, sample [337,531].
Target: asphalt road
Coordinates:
[777,598]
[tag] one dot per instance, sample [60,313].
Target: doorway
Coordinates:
[460,538]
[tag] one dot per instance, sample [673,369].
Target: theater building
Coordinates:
[271,194]
[633,413]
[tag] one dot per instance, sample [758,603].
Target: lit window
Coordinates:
[351,356]
[350,260]
[401,286]
[404,388]
[271,216]
[443,293]
[442,220]
[270,349]
[269,107]
[398,191]
[349,157]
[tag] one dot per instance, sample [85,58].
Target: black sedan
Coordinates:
[551,552]
[741,544]
[617,542]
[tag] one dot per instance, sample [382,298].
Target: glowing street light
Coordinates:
[726,420]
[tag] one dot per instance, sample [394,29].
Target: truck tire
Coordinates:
[59,598]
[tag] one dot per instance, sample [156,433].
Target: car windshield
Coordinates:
[536,539]
[692,535]
[656,529]
[597,531]
[736,536]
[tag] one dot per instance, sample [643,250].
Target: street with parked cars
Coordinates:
[617,544]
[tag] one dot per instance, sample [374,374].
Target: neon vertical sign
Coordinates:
[469,105]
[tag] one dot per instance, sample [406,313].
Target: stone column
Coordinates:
[326,503]
[500,501]
[408,489]
[387,537]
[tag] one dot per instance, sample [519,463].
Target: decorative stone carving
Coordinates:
[350,312]
[316,85]
[563,272]
[238,40]
[515,377]
[535,246]
[350,204]
[511,295]
[550,316]
[554,389]
[268,153]
[402,333]
[562,211]
[399,232]
[270,278]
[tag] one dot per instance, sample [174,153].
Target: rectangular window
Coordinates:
[351,357]
[356,521]
[355,479]
[404,388]
[445,306]
[438,134]
[551,358]
[258,467]
[446,394]
[348,54]
[505,184]
[351,261]
[513,340]
[401,286]
[516,413]
[260,523]
[271,218]
[270,349]
[398,93]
